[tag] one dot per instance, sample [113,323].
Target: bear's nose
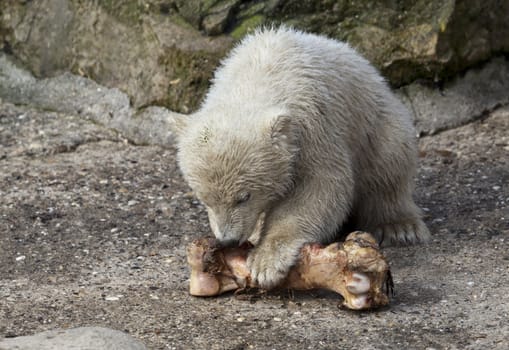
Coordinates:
[229,243]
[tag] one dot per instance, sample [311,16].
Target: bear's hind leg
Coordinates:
[393,221]
[402,233]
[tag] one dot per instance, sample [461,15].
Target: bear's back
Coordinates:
[337,97]
[282,67]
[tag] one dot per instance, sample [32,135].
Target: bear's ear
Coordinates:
[283,133]
[178,122]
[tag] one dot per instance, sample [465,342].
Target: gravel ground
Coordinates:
[93,231]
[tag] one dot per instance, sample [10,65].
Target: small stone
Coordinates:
[496,188]
[277,319]
[20,258]
[188,195]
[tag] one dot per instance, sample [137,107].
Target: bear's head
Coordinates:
[237,171]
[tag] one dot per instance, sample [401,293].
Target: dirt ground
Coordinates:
[93,231]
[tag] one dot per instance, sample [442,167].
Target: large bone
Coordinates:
[356,269]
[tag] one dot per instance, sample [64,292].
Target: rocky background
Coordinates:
[164,51]
[94,216]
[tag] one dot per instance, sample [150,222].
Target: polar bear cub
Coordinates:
[298,135]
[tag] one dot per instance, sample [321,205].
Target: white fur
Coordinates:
[311,130]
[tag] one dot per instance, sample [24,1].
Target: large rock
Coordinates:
[82,338]
[85,98]
[459,101]
[164,52]
[406,40]
[118,44]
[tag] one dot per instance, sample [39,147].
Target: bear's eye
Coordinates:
[243,197]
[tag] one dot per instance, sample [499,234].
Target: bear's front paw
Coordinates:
[269,268]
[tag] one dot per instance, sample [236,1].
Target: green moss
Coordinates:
[252,10]
[192,10]
[208,4]
[246,26]
[126,11]
[190,76]
[181,21]
[15,9]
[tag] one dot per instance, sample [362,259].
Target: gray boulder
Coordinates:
[461,100]
[82,338]
[83,97]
